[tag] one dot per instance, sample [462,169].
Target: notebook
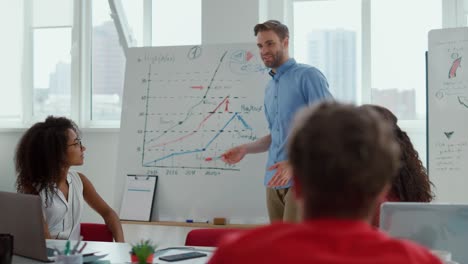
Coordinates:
[138,197]
[436,226]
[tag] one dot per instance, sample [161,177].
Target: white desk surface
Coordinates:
[119,252]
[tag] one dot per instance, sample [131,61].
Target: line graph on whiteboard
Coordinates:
[193,114]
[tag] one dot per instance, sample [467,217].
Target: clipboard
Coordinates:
[137,201]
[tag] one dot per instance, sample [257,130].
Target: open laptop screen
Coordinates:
[22,217]
[436,226]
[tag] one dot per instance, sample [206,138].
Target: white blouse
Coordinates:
[62,216]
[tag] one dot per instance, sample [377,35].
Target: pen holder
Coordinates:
[6,248]
[69,259]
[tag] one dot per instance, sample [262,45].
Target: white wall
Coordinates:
[8,141]
[100,167]
[229,21]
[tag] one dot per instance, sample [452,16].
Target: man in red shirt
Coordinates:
[343,160]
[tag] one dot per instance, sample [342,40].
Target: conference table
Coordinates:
[119,253]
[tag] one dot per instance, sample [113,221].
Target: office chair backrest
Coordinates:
[96,232]
[208,237]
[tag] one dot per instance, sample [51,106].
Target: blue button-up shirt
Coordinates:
[292,87]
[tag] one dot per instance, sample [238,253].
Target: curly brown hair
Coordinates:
[412,183]
[41,155]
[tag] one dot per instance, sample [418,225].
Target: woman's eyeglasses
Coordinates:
[78,143]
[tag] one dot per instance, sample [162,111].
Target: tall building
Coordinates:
[60,79]
[334,53]
[108,60]
[108,65]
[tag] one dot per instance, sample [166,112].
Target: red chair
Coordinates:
[208,237]
[96,232]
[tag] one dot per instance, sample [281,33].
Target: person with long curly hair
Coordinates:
[412,183]
[43,159]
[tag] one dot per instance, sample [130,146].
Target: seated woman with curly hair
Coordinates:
[411,184]
[43,159]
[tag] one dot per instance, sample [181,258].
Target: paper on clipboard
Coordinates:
[138,197]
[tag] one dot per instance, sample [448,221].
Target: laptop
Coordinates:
[22,218]
[434,225]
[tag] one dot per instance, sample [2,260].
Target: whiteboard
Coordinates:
[448,113]
[183,107]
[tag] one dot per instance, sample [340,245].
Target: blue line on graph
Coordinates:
[200,150]
[243,122]
[175,154]
[219,132]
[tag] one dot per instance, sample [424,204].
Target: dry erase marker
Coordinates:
[214,158]
[197,221]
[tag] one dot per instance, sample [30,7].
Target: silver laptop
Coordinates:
[436,226]
[22,218]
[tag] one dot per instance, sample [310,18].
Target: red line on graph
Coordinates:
[199,87]
[226,109]
[198,127]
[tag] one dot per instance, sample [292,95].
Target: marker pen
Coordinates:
[214,158]
[197,221]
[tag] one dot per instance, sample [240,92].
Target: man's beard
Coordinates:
[276,62]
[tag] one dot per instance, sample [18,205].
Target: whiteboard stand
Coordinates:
[426,58]
[137,202]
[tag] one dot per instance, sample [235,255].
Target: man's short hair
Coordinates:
[280,29]
[342,156]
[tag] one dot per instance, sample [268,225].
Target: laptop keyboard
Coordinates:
[50,252]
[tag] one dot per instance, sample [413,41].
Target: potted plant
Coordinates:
[143,252]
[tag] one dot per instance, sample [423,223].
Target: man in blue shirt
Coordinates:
[292,87]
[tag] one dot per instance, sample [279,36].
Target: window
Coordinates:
[67,60]
[398,54]
[372,52]
[327,35]
[51,49]
[135,17]
[108,65]
[11,52]
[51,71]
